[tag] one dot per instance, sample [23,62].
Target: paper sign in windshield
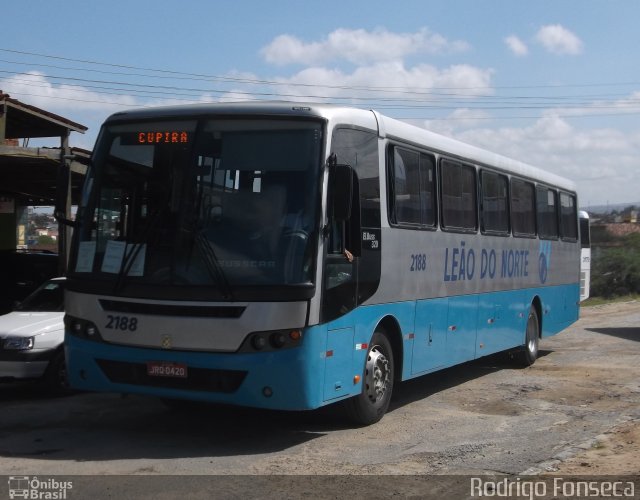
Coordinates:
[86,254]
[115,253]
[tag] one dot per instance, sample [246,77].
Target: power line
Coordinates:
[188,75]
[387,98]
[430,118]
[177,93]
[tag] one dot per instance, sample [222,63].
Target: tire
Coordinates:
[529,351]
[55,378]
[377,383]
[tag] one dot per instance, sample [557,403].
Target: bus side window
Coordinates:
[547,213]
[458,188]
[523,208]
[568,217]
[494,206]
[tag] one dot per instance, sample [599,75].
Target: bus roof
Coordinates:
[387,128]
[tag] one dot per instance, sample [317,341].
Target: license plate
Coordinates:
[165,369]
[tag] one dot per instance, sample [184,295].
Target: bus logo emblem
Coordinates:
[544,261]
[166,342]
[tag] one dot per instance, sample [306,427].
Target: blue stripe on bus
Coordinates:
[432,334]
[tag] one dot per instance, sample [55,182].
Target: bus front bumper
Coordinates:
[285,380]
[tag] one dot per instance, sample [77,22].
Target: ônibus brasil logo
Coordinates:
[40,489]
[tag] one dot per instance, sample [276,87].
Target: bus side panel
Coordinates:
[560,307]
[462,328]
[364,320]
[338,362]
[430,342]
[501,321]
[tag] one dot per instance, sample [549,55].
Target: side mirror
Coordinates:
[341,185]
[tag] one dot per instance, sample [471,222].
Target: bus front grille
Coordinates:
[197,379]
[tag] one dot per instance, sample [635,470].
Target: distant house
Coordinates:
[632,217]
[45,231]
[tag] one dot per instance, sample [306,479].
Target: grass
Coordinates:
[598,301]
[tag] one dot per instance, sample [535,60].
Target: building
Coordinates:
[29,175]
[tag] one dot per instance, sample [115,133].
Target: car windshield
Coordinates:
[222,203]
[48,298]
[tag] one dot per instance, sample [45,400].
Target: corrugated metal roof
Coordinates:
[26,121]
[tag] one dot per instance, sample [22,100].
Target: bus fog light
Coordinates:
[278,340]
[267,392]
[258,342]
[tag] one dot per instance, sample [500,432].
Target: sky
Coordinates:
[554,83]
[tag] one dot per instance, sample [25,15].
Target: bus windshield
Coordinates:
[217,204]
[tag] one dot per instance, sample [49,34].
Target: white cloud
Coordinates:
[74,102]
[417,85]
[358,47]
[629,105]
[559,40]
[517,46]
[37,90]
[459,119]
[603,162]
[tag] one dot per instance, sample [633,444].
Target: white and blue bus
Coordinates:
[290,256]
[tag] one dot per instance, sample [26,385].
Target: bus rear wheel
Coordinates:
[377,384]
[529,352]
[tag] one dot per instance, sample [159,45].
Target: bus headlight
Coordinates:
[81,328]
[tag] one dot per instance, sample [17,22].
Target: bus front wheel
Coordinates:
[377,384]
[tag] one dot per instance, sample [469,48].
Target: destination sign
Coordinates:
[166,137]
[156,137]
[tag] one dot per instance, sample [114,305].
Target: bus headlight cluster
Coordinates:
[81,328]
[271,341]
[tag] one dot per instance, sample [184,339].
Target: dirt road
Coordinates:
[617,450]
[575,411]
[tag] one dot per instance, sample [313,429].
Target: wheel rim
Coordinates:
[377,374]
[532,334]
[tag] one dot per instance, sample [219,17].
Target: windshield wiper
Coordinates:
[129,258]
[213,265]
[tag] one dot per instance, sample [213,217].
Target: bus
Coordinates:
[290,256]
[585,255]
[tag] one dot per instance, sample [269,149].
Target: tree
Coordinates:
[46,240]
[616,271]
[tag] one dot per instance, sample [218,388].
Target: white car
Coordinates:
[32,336]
